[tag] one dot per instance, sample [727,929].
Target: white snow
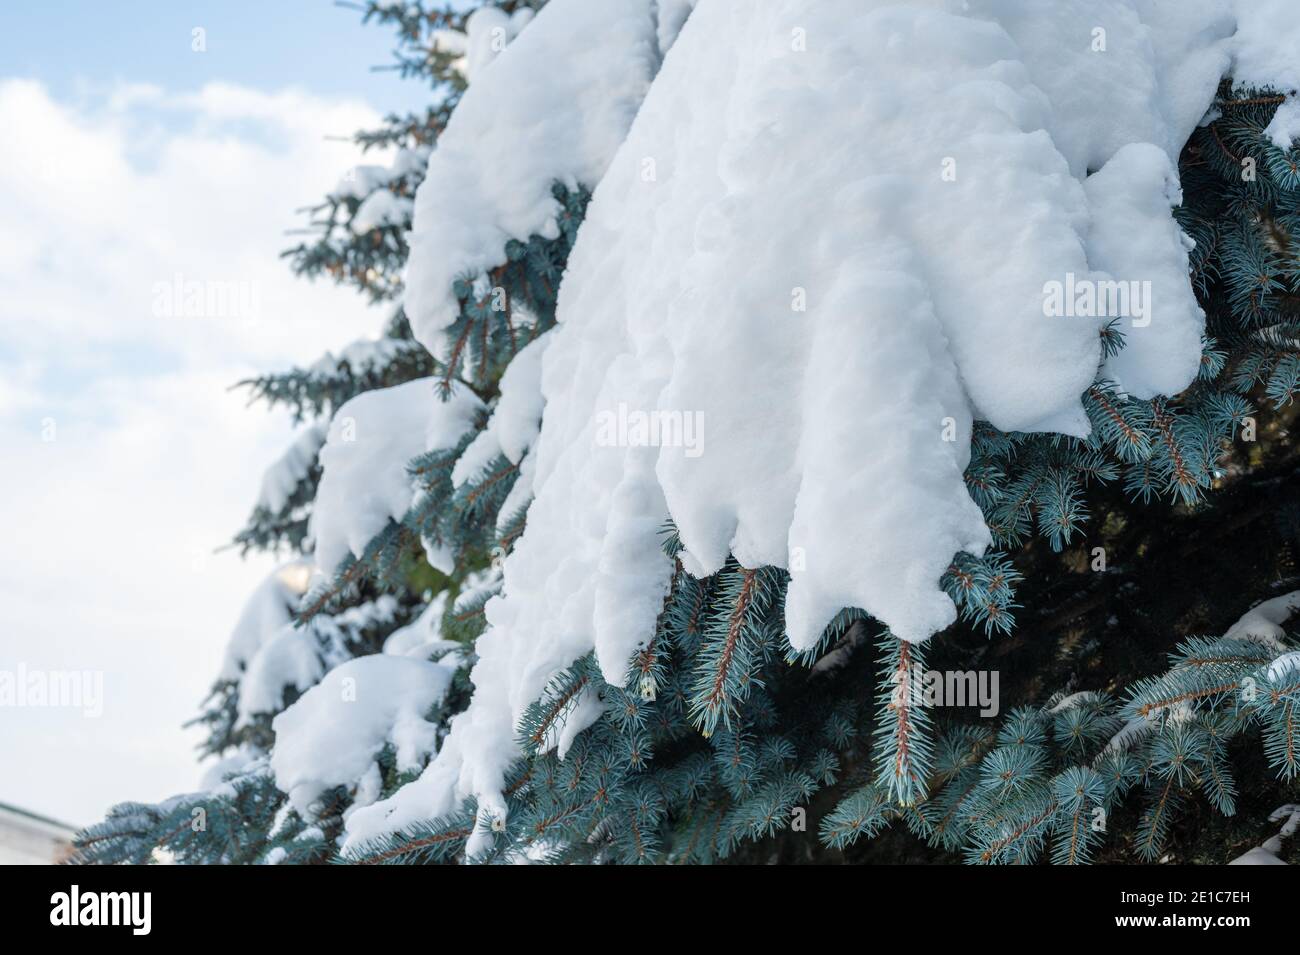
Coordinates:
[1284,128]
[1261,855]
[672,15]
[476,586]
[829,233]
[941,159]
[267,651]
[1264,47]
[1267,854]
[268,609]
[364,483]
[488,30]
[516,419]
[291,658]
[1117,71]
[359,181]
[554,106]
[1263,51]
[1135,239]
[238,763]
[1285,664]
[281,479]
[1073,700]
[360,356]
[587,708]
[298,656]
[331,735]
[382,207]
[423,636]
[1263,623]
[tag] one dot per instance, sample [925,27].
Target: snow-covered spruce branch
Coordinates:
[895,429]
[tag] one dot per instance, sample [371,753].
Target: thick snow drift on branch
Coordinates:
[554,107]
[1267,853]
[826,243]
[423,636]
[282,478]
[1263,623]
[672,15]
[298,656]
[1264,54]
[516,419]
[364,483]
[487,32]
[1264,47]
[1133,237]
[365,356]
[268,651]
[269,609]
[826,246]
[382,207]
[332,734]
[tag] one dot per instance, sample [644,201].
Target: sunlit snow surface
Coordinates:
[827,233]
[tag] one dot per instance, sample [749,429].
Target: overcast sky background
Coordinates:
[125,159]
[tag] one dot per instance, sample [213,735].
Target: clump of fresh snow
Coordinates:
[422,637]
[554,107]
[292,658]
[239,763]
[298,656]
[1286,664]
[1284,128]
[381,208]
[488,30]
[1118,71]
[1072,700]
[372,438]
[478,586]
[945,172]
[1267,853]
[281,479]
[332,734]
[1135,239]
[268,651]
[268,610]
[1263,50]
[1265,44]
[516,419]
[360,357]
[672,16]
[826,244]
[1263,623]
[359,181]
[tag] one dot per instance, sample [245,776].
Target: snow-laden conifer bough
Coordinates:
[942,161]
[834,234]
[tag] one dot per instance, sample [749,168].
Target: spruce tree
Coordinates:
[1131,597]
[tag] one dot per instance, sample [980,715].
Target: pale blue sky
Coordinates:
[266,44]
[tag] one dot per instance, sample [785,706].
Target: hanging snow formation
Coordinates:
[827,241]
[268,650]
[371,439]
[487,32]
[282,478]
[332,735]
[552,107]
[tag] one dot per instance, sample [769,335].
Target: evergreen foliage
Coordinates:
[722,743]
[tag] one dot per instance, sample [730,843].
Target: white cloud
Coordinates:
[109,528]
